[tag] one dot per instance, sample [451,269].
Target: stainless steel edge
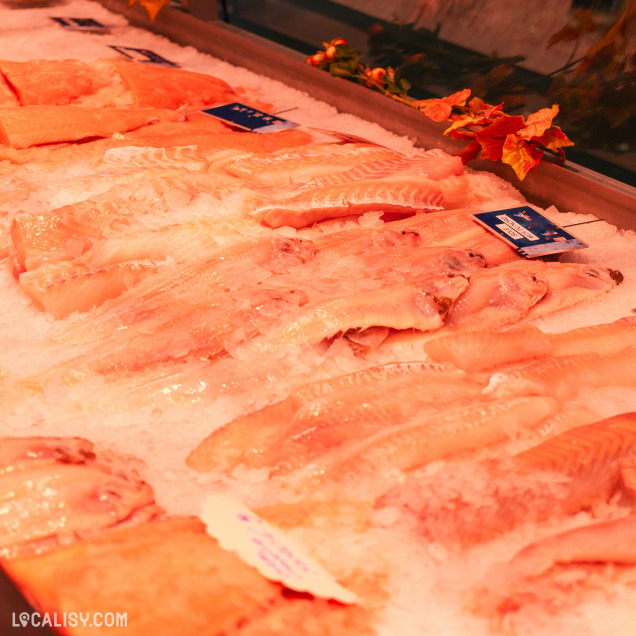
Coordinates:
[568,187]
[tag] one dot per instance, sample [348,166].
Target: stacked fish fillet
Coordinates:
[342,297]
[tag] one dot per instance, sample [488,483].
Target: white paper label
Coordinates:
[518,228]
[276,556]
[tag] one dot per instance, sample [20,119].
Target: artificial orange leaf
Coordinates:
[479,107]
[522,155]
[152,6]
[537,123]
[583,22]
[492,137]
[437,109]
[554,138]
[457,99]
[455,129]
[469,152]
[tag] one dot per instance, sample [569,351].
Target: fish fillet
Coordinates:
[419,305]
[427,438]
[569,283]
[318,204]
[478,350]
[495,298]
[54,490]
[158,87]
[53,82]
[255,439]
[226,269]
[305,163]
[36,125]
[565,376]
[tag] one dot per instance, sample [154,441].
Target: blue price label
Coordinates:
[529,232]
[143,55]
[248,118]
[80,24]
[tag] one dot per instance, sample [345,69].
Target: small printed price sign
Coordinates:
[529,232]
[248,118]
[143,55]
[274,554]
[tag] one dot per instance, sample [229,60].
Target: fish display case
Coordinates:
[395,519]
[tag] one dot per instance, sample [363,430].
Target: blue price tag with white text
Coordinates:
[529,232]
[248,118]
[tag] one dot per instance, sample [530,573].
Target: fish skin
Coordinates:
[420,304]
[60,491]
[241,439]
[479,350]
[426,439]
[36,125]
[319,204]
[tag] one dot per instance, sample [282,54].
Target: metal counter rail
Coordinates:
[569,187]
